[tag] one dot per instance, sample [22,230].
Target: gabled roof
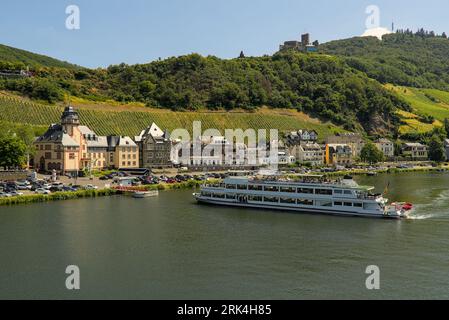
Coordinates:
[55,134]
[98,142]
[125,141]
[86,130]
[119,141]
[155,132]
[67,141]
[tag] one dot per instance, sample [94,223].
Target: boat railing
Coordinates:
[214,185]
[368,196]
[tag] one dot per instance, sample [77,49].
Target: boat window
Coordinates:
[231,186]
[206,194]
[272,188]
[305,202]
[326,192]
[305,190]
[288,200]
[348,192]
[231,196]
[219,196]
[338,204]
[338,191]
[348,204]
[255,198]
[326,204]
[255,187]
[288,189]
[242,187]
[271,199]
[358,205]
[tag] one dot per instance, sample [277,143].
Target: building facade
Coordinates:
[155,148]
[311,153]
[339,155]
[353,140]
[387,147]
[60,148]
[415,151]
[69,147]
[94,153]
[123,153]
[301,136]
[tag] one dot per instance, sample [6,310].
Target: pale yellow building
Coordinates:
[69,147]
[123,153]
[94,156]
[60,148]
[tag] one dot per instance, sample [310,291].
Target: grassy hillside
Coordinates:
[424,103]
[130,120]
[13,55]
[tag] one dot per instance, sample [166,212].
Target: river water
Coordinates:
[169,247]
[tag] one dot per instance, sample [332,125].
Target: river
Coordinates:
[169,247]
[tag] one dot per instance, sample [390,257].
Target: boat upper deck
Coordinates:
[315,181]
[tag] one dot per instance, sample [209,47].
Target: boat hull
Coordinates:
[295,209]
[147,194]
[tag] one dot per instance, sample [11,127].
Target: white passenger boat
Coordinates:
[308,193]
[145,194]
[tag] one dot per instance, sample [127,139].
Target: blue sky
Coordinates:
[139,31]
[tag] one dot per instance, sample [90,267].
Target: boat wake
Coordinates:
[438,208]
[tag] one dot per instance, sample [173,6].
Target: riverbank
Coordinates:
[33,198]
[364,172]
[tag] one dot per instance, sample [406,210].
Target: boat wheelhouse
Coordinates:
[306,193]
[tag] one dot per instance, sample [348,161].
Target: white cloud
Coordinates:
[376,32]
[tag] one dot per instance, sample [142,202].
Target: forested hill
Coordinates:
[22,58]
[415,59]
[319,85]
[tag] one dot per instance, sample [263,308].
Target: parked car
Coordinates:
[16,194]
[23,187]
[5,195]
[69,189]
[90,187]
[42,191]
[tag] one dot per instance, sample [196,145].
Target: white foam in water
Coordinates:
[438,208]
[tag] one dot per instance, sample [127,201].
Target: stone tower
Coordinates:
[69,120]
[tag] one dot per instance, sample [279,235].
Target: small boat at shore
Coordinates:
[145,194]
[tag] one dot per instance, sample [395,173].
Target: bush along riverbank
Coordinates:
[192,184]
[32,198]
[387,171]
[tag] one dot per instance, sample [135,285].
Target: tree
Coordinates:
[446,127]
[12,152]
[370,153]
[26,134]
[436,149]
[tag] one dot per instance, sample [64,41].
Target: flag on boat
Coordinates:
[387,188]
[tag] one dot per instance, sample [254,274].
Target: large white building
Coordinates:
[386,146]
[311,153]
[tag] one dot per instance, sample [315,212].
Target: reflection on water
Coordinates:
[171,247]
